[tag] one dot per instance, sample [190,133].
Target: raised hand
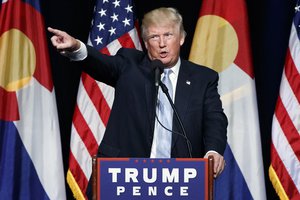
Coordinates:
[63,42]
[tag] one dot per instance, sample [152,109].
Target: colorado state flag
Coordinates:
[221,41]
[30,149]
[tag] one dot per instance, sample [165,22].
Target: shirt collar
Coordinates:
[175,68]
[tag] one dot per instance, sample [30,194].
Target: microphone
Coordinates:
[165,90]
[158,67]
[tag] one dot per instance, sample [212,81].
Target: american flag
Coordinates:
[113,27]
[285,149]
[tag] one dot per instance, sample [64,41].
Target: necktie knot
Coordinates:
[167,73]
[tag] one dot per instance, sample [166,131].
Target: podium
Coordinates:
[146,178]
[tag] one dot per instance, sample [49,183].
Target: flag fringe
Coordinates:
[277,184]
[77,193]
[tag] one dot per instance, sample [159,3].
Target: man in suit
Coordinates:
[135,124]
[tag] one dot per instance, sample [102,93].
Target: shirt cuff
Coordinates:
[211,151]
[78,55]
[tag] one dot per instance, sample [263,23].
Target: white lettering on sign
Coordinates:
[189,173]
[167,175]
[152,190]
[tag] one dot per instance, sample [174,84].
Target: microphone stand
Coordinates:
[165,90]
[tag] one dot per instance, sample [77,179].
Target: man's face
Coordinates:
[163,43]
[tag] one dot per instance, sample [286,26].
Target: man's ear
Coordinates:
[182,40]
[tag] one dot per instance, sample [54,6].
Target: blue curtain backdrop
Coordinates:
[270,23]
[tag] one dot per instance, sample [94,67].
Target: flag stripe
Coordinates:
[113,47]
[294,47]
[11,177]
[285,181]
[284,151]
[85,132]
[135,38]
[105,51]
[8,108]
[126,41]
[288,127]
[290,102]
[97,98]
[81,153]
[292,75]
[90,113]
[77,173]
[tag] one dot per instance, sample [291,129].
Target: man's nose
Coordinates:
[162,41]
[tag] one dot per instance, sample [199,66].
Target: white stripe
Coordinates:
[290,102]
[113,47]
[243,128]
[232,78]
[90,114]
[294,45]
[285,152]
[108,92]
[135,38]
[81,153]
[39,130]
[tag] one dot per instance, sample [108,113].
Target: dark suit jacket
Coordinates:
[129,131]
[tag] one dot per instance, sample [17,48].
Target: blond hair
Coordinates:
[162,16]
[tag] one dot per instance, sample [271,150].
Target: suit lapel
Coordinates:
[182,96]
[150,97]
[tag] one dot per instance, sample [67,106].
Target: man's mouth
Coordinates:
[163,54]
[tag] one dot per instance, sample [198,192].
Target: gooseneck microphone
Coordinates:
[165,90]
[158,67]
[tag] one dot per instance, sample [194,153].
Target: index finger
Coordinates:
[55,31]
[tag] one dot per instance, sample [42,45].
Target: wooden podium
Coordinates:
[209,190]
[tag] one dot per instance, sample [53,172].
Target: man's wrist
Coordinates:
[79,54]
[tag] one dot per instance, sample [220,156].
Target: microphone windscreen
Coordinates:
[157,64]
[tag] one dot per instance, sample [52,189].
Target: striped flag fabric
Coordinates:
[284,171]
[113,26]
[31,165]
[221,42]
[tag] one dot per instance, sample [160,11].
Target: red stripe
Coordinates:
[105,51]
[85,132]
[96,97]
[288,127]
[126,41]
[9,110]
[284,177]
[78,174]
[292,75]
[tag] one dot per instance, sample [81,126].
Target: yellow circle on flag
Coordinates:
[215,43]
[17,60]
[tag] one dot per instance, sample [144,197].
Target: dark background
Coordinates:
[269,22]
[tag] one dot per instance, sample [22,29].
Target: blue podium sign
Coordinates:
[136,178]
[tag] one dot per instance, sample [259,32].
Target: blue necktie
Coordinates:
[165,116]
